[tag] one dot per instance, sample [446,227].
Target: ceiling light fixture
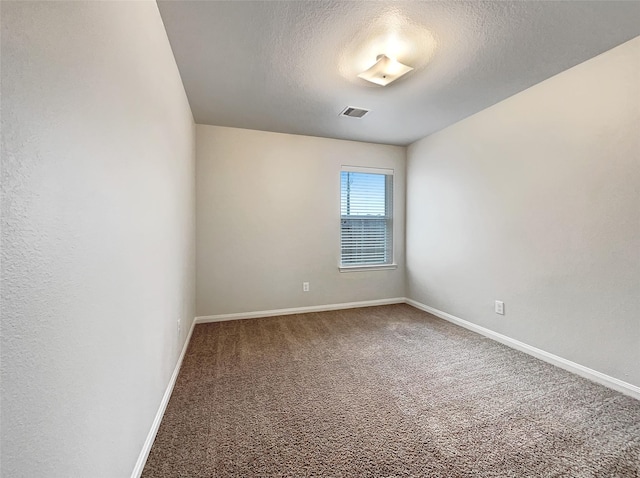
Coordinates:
[384,71]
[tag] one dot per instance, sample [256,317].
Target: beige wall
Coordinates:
[536,202]
[268,218]
[98,233]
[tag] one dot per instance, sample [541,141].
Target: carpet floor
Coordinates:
[386,391]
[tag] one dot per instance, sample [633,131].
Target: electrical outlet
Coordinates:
[179,326]
[305,287]
[499,307]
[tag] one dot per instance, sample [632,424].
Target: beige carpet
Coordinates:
[383,392]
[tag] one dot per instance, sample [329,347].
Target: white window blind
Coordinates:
[366,213]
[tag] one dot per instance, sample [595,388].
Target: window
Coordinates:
[366,217]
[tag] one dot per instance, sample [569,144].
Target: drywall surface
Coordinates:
[98,233]
[292,66]
[268,219]
[536,202]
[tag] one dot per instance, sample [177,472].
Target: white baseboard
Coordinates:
[594,375]
[148,443]
[601,378]
[297,310]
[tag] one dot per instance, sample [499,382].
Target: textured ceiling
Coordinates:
[291,66]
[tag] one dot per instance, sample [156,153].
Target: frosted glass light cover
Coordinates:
[384,71]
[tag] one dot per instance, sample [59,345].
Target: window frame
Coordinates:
[389,219]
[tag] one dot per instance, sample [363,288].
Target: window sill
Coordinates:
[373,267]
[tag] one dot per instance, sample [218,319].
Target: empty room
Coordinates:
[320,239]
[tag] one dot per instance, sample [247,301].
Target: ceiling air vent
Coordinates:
[353,112]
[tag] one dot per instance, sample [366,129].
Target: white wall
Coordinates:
[536,202]
[268,218]
[98,245]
